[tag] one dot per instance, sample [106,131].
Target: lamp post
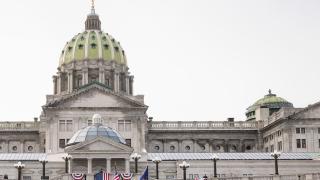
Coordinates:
[136,157]
[157,160]
[215,158]
[43,161]
[276,155]
[184,165]
[66,159]
[19,166]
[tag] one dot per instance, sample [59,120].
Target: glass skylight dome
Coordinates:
[94,131]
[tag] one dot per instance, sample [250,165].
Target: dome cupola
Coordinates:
[93,22]
[270,101]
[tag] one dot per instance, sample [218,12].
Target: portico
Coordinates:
[97,147]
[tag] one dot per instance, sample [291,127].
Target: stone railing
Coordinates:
[282,113]
[21,126]
[189,125]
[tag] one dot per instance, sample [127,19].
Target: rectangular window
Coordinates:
[280,146]
[89,122]
[318,130]
[69,125]
[128,142]
[127,125]
[319,142]
[124,125]
[271,148]
[62,143]
[304,143]
[267,150]
[303,130]
[298,143]
[121,125]
[297,130]
[65,125]
[62,125]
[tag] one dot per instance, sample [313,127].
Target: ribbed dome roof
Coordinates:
[92,45]
[271,101]
[95,131]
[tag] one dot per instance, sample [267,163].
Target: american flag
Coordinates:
[102,175]
[105,175]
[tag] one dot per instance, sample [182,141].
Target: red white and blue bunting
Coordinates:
[78,176]
[126,176]
[116,177]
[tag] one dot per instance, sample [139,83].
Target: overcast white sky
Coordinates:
[192,59]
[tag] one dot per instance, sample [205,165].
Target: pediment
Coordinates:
[96,97]
[99,144]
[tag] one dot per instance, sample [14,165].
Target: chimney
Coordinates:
[230,119]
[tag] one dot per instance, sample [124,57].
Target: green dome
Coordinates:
[92,45]
[271,101]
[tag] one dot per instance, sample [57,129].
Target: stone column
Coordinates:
[210,142]
[226,145]
[194,145]
[180,146]
[59,83]
[70,81]
[101,76]
[127,165]
[55,78]
[21,146]
[127,85]
[116,82]
[108,165]
[84,76]
[241,144]
[131,85]
[89,165]
[70,165]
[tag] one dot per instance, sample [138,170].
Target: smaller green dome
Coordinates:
[92,45]
[271,101]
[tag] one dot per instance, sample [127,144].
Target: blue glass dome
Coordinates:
[93,132]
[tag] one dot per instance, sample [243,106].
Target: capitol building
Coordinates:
[94,119]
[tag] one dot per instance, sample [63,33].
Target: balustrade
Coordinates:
[165,125]
[19,126]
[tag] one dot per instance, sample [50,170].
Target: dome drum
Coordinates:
[270,101]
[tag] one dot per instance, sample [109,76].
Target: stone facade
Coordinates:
[100,83]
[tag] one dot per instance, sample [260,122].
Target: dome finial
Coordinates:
[92,7]
[97,119]
[270,92]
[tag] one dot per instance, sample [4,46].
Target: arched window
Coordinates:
[93,45]
[80,46]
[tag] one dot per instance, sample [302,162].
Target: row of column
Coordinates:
[57,81]
[108,165]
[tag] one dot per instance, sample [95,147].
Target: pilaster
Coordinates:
[108,165]
[89,165]
[127,165]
